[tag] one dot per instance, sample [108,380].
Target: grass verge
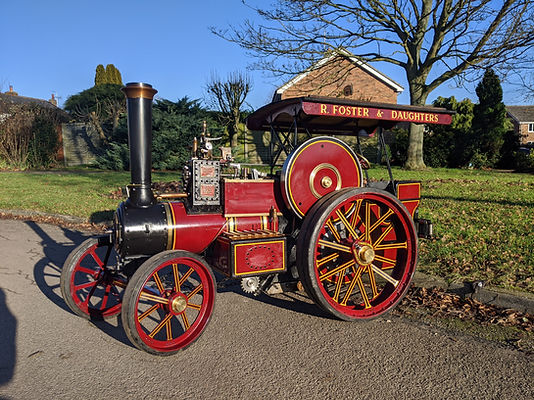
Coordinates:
[483,220]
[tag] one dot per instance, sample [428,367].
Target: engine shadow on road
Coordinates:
[47,274]
[292,301]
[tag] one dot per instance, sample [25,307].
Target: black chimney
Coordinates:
[139,102]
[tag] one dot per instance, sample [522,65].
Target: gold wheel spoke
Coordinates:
[347,224]
[119,283]
[195,291]
[385,260]
[363,292]
[380,220]
[326,259]
[163,322]
[194,306]
[333,230]
[158,282]
[403,245]
[186,321]
[367,233]
[186,275]
[176,275]
[338,287]
[382,236]
[339,269]
[152,297]
[372,280]
[168,328]
[335,246]
[354,218]
[147,312]
[352,285]
[385,276]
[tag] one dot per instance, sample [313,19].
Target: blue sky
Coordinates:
[54,46]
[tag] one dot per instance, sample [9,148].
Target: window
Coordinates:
[531,127]
[347,91]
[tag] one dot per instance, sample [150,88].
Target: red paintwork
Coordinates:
[384,114]
[409,193]
[252,257]
[305,169]
[194,232]
[250,197]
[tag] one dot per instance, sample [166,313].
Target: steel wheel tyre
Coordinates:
[90,284]
[357,253]
[168,302]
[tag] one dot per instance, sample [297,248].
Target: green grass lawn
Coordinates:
[483,220]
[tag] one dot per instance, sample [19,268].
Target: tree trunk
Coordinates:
[415,160]
[415,148]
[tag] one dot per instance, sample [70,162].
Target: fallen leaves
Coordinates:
[442,304]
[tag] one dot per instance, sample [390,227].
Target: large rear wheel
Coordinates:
[168,302]
[357,252]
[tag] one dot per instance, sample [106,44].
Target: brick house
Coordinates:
[341,75]
[522,118]
[344,76]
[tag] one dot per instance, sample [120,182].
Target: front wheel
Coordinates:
[90,282]
[168,302]
[357,252]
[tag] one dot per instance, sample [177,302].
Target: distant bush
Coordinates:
[28,137]
[524,161]
[116,157]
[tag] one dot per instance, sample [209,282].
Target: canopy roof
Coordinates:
[318,115]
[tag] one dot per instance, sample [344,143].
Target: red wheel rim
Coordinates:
[95,289]
[174,305]
[365,255]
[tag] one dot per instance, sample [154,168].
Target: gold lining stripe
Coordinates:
[250,215]
[246,180]
[258,243]
[171,220]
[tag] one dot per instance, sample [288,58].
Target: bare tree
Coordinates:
[228,97]
[433,41]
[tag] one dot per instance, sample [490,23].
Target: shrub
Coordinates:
[28,137]
[524,161]
[116,157]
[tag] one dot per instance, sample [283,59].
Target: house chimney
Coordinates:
[11,91]
[53,100]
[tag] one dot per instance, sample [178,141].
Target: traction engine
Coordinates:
[318,224]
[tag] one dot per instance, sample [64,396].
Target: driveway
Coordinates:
[253,348]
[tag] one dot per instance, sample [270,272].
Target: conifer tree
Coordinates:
[100,75]
[489,120]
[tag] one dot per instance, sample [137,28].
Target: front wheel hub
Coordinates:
[178,304]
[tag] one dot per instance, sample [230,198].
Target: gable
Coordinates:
[332,75]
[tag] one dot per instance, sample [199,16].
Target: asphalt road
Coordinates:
[253,348]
